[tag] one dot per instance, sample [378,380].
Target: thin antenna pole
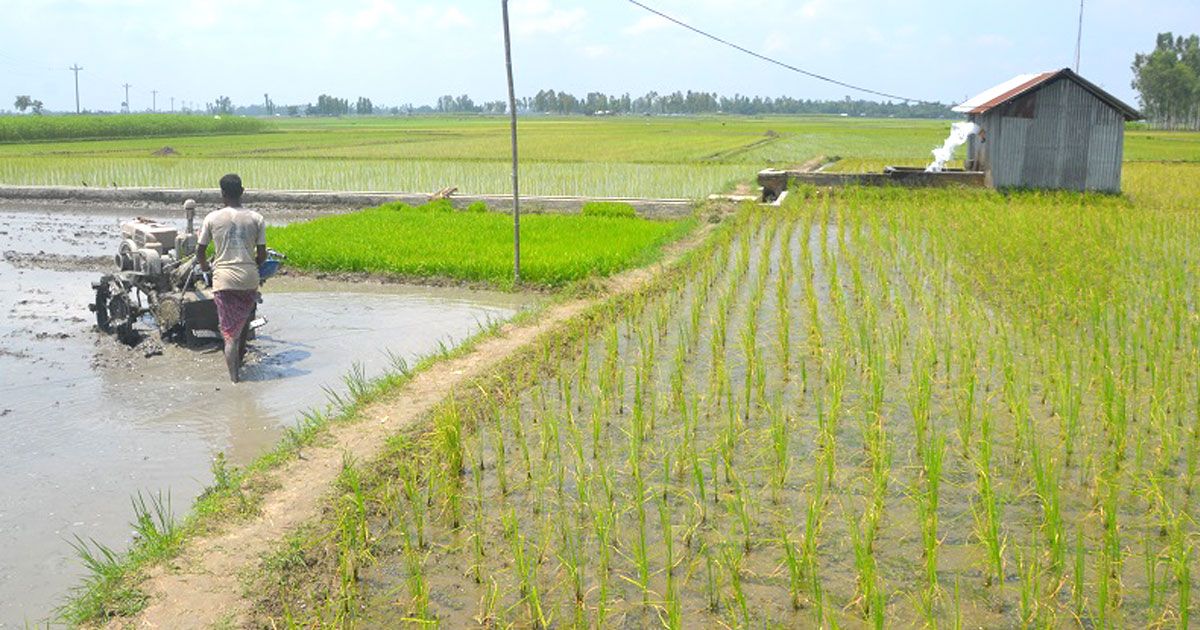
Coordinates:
[75,68]
[512,110]
[1079,37]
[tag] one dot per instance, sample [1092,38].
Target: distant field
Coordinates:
[628,156]
[25,129]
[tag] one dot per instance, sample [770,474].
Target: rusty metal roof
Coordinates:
[1025,83]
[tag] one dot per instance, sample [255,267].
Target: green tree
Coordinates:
[23,103]
[1168,82]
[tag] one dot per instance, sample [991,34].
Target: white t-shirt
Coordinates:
[235,234]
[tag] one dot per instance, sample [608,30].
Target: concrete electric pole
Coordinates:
[154,100]
[126,103]
[512,110]
[75,68]
[172,104]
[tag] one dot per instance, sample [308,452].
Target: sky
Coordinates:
[397,52]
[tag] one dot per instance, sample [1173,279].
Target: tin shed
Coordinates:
[1048,130]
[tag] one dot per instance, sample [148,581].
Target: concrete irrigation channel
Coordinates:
[88,423]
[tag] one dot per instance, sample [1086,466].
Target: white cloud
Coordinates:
[452,16]
[646,24]
[595,52]
[776,42]
[991,40]
[531,17]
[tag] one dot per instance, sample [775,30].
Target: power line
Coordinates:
[814,75]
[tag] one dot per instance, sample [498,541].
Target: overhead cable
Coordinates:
[777,62]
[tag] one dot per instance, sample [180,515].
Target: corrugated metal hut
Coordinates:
[1048,130]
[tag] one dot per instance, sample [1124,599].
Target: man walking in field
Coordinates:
[239,239]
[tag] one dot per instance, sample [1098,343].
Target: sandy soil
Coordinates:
[202,587]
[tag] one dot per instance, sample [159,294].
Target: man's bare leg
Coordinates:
[233,358]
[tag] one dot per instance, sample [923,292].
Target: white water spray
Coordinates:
[959,132]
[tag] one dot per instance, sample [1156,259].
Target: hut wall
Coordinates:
[1059,136]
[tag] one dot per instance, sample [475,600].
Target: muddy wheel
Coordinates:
[126,334]
[121,315]
[100,306]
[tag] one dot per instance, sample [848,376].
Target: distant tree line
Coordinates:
[1168,82]
[595,104]
[551,102]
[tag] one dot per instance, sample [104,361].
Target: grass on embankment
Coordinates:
[36,128]
[435,241]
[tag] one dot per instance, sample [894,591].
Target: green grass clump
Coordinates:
[431,241]
[608,209]
[35,128]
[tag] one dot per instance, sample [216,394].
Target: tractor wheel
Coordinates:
[121,317]
[100,306]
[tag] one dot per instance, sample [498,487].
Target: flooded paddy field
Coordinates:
[88,423]
[842,412]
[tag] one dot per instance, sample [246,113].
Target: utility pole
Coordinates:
[126,86]
[172,104]
[1079,37]
[512,110]
[154,100]
[75,68]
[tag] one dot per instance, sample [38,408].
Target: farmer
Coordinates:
[239,239]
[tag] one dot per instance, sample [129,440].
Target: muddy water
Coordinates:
[86,423]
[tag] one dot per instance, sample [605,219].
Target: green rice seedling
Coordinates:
[712,584]
[1030,589]
[353,537]
[501,459]
[674,614]
[932,470]
[525,570]
[739,506]
[514,416]
[417,506]
[986,506]
[641,548]
[450,441]
[574,562]
[418,586]
[698,478]
[478,535]
[732,558]
[791,558]
[602,527]
[965,393]
[1077,577]
[780,448]
[1153,587]
[870,591]
[958,615]
[1046,482]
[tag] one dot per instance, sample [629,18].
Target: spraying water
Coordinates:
[959,132]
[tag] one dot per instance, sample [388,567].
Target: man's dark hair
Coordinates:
[231,186]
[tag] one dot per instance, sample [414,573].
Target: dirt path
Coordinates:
[201,588]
